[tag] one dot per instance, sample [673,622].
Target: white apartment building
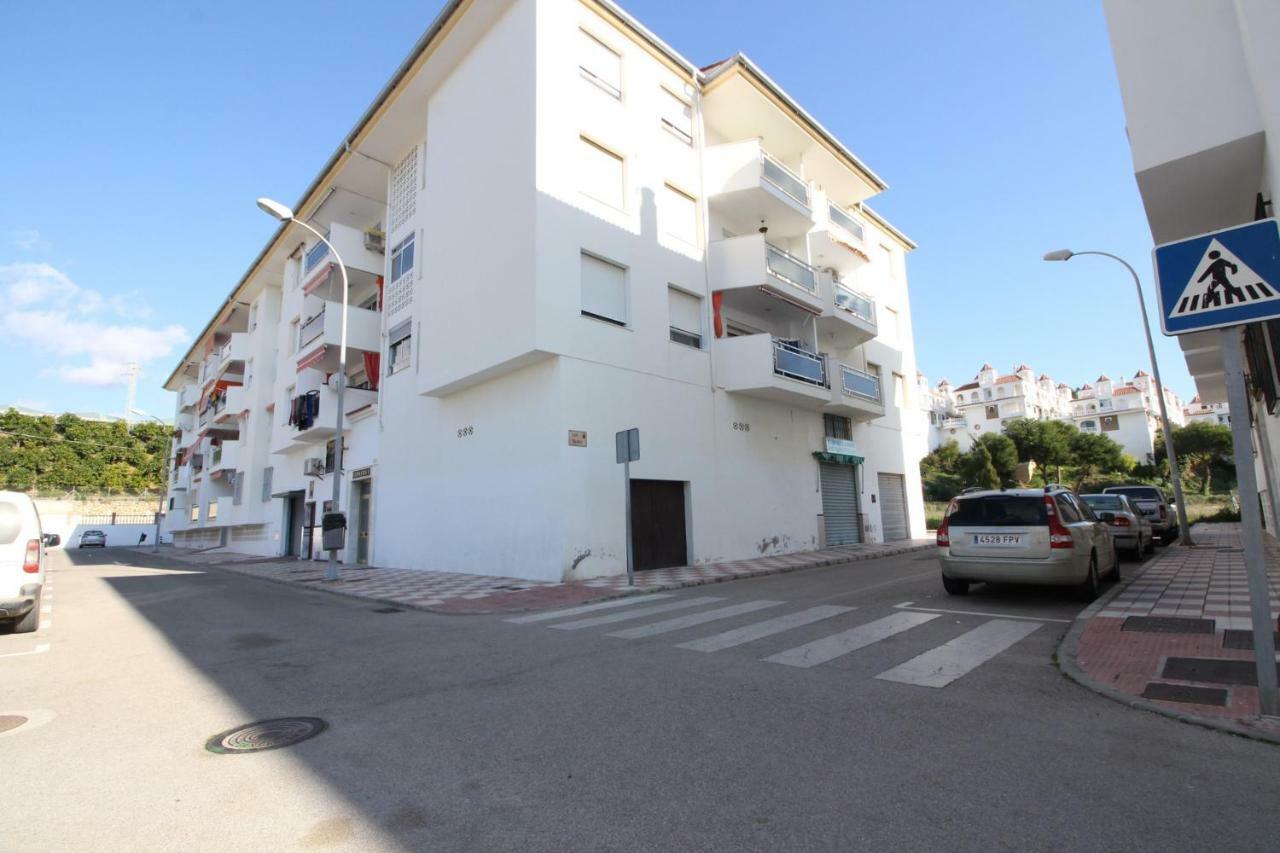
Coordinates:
[1200,412]
[1205,139]
[1125,411]
[558,228]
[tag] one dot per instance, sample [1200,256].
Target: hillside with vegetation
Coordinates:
[50,456]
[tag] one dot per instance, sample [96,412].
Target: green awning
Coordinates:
[838,458]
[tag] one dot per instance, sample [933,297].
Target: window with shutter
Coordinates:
[604,290]
[600,174]
[238,494]
[600,64]
[686,317]
[677,116]
[266,483]
[679,215]
[399,346]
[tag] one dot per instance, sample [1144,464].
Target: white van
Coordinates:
[22,561]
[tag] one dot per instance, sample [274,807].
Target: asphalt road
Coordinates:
[745,731]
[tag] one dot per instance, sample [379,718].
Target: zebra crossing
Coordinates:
[666,613]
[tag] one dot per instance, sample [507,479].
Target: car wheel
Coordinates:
[954,586]
[1091,588]
[30,622]
[1151,545]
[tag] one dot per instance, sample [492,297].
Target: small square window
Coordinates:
[600,174]
[686,317]
[604,290]
[600,64]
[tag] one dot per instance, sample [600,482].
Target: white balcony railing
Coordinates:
[312,329]
[783,178]
[791,269]
[855,303]
[841,218]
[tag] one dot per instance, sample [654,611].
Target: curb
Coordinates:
[1071,668]
[606,593]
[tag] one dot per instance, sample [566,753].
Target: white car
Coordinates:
[1043,536]
[22,562]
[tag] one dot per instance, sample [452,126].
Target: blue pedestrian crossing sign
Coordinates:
[1224,278]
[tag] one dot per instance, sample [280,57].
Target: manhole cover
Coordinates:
[266,734]
[9,722]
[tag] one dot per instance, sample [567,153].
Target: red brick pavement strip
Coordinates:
[1119,664]
[458,594]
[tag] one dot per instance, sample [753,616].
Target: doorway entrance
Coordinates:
[293,524]
[364,492]
[658,538]
[840,503]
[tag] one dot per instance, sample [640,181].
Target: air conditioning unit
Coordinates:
[375,241]
[313,467]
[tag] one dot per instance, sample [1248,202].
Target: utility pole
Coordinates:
[131,398]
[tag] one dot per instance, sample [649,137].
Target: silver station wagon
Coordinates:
[1043,536]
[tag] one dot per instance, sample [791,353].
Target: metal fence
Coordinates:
[119,518]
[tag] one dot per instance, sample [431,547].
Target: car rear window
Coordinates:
[1104,502]
[999,511]
[1146,493]
[10,522]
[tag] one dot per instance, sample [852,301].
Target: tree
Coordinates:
[1046,443]
[68,453]
[1004,456]
[1199,447]
[978,469]
[947,459]
[1093,454]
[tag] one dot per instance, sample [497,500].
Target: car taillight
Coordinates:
[31,561]
[1059,535]
[1120,521]
[944,529]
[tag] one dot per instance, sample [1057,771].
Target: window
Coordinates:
[1067,509]
[837,426]
[211,511]
[329,448]
[402,258]
[195,513]
[171,502]
[677,116]
[266,483]
[986,394]
[686,317]
[679,215]
[899,390]
[993,412]
[600,64]
[399,347]
[889,329]
[604,290]
[1110,423]
[1088,425]
[600,174]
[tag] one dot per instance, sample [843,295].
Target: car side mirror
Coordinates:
[51,540]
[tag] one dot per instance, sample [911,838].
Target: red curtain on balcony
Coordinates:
[717,322]
[372,363]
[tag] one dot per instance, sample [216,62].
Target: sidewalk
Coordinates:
[452,592]
[1177,637]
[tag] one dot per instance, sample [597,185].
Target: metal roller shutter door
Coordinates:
[893,507]
[840,503]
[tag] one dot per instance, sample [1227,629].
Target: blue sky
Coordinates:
[144,132]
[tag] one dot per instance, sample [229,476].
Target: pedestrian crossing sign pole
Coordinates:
[1225,280]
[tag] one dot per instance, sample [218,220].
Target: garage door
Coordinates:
[893,507]
[840,503]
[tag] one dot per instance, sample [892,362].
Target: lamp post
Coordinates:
[168,446]
[1175,475]
[285,214]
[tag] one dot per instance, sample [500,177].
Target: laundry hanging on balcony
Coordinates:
[303,410]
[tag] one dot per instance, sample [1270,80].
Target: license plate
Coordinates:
[1004,540]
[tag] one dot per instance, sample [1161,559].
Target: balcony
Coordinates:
[227,361]
[746,186]
[188,397]
[319,425]
[761,276]
[764,366]
[320,268]
[954,423]
[225,456]
[857,394]
[228,407]
[840,242]
[849,318]
[319,337]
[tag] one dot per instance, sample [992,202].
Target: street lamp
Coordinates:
[1184,532]
[285,214]
[168,446]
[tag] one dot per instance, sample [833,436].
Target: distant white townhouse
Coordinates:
[1198,411]
[557,228]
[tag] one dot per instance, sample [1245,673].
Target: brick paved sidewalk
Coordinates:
[451,592]
[1175,636]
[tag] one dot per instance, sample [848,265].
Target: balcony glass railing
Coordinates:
[855,303]
[845,220]
[784,179]
[795,363]
[859,383]
[311,329]
[791,269]
[315,255]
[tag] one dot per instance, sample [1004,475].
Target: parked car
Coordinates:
[22,562]
[93,539]
[1155,505]
[1130,529]
[1043,536]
